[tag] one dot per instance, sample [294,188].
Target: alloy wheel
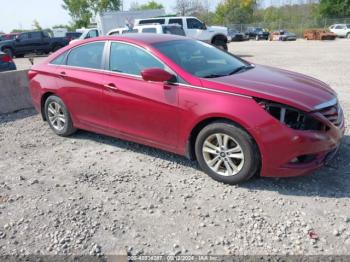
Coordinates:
[56,116]
[223,154]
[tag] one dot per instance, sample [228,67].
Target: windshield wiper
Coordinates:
[241,68]
[237,70]
[213,76]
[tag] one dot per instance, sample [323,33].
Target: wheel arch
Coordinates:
[190,146]
[42,103]
[7,47]
[219,37]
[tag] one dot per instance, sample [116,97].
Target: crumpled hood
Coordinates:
[277,85]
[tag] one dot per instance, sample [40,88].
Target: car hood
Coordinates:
[5,42]
[277,85]
[218,29]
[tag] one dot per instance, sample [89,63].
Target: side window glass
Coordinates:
[149,30]
[131,60]
[193,24]
[36,35]
[176,21]
[88,56]
[60,59]
[23,36]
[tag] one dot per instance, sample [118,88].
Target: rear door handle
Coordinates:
[111,86]
[62,74]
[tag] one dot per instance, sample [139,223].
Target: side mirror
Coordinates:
[17,39]
[156,75]
[204,26]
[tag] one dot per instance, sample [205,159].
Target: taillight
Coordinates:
[32,74]
[6,59]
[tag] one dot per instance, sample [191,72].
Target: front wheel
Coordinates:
[227,153]
[8,51]
[58,116]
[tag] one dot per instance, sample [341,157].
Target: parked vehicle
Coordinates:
[72,35]
[185,96]
[282,35]
[11,36]
[257,33]
[236,35]
[151,28]
[32,42]
[194,28]
[341,30]
[59,32]
[107,21]
[319,34]
[6,62]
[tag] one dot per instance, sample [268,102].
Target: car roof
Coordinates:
[141,38]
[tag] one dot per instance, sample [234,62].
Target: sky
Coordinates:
[21,13]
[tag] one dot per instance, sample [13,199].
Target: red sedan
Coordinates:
[236,119]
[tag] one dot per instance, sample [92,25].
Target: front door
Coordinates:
[146,111]
[80,80]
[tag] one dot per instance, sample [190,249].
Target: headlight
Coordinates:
[291,117]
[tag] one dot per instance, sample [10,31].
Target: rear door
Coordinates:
[80,81]
[147,111]
[36,42]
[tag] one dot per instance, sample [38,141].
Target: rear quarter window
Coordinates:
[60,60]
[149,30]
[87,56]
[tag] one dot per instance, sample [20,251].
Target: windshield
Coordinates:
[201,59]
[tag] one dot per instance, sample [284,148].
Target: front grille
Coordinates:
[333,114]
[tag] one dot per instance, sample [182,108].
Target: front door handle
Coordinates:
[111,86]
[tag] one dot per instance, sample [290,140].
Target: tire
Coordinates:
[58,116]
[8,51]
[221,44]
[246,158]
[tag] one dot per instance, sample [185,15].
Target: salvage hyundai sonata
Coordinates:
[190,98]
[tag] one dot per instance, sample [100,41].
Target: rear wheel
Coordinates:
[227,153]
[58,116]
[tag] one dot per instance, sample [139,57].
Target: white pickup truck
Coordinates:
[194,28]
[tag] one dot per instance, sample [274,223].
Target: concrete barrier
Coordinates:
[14,92]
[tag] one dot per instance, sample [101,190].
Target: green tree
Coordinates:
[150,5]
[36,25]
[235,11]
[81,11]
[334,8]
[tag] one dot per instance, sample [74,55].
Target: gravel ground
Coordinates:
[91,194]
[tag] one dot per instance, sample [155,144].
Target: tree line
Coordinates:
[227,12]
